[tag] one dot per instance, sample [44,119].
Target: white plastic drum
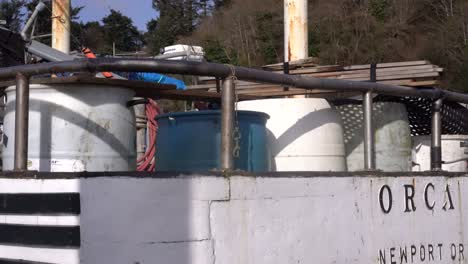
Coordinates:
[451,151]
[305,134]
[74,128]
[392,136]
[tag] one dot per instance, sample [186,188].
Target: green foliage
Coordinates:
[44,22]
[379,9]
[177,18]
[314,42]
[11,12]
[460,80]
[221,3]
[214,52]
[119,29]
[267,38]
[90,35]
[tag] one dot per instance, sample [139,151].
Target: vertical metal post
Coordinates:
[61,25]
[141,121]
[21,122]
[369,147]
[296,44]
[227,124]
[436,135]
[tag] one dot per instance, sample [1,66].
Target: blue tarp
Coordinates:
[157,78]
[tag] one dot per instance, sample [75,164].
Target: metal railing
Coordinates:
[24,72]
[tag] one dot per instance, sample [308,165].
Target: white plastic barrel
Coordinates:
[74,127]
[392,136]
[451,151]
[305,134]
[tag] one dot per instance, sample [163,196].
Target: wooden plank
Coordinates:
[396,77]
[258,91]
[241,86]
[319,72]
[141,88]
[381,75]
[187,95]
[249,86]
[427,83]
[326,68]
[310,93]
[308,61]
[387,65]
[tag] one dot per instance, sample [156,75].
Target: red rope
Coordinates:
[147,162]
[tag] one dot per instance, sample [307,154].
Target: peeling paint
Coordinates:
[296,30]
[61,25]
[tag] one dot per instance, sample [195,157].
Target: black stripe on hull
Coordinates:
[20,261]
[40,203]
[42,236]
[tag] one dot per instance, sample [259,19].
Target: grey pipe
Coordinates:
[40,6]
[455,161]
[369,142]
[223,71]
[436,135]
[21,122]
[220,71]
[227,124]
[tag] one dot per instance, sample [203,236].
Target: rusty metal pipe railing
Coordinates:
[21,122]
[193,68]
[223,71]
[227,124]
[436,135]
[369,144]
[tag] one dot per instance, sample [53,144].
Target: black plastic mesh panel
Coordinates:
[454,115]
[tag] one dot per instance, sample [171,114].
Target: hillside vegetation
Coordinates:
[250,32]
[344,32]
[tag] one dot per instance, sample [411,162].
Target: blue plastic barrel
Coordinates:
[190,141]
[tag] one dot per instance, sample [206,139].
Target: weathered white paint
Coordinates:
[201,219]
[451,150]
[39,185]
[193,252]
[392,136]
[332,220]
[153,221]
[41,220]
[61,25]
[74,128]
[304,134]
[296,44]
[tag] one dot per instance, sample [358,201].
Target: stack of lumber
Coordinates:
[412,73]
[309,62]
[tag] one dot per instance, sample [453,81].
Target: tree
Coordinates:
[91,35]
[177,18]
[12,12]
[220,3]
[244,32]
[119,29]
[43,24]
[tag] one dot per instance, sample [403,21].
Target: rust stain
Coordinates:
[297,31]
[291,36]
[60,23]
